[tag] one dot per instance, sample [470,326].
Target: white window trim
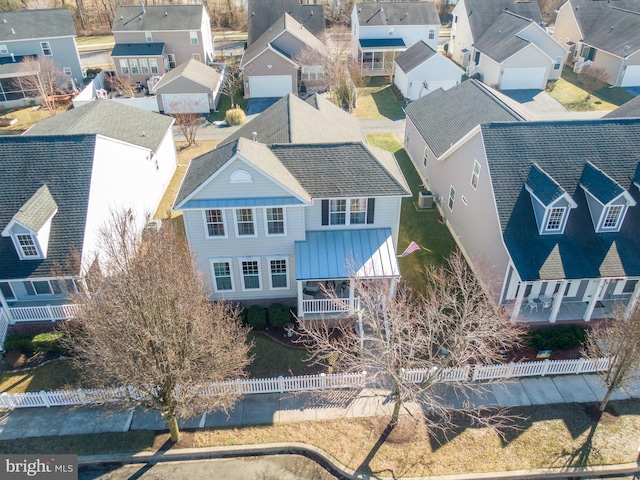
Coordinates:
[266,223]
[171,58]
[13,292]
[35,292]
[557,61]
[197,57]
[20,251]
[144,65]
[425,156]
[286,259]
[153,64]
[235,223]
[432,34]
[148,36]
[67,71]
[348,211]
[227,260]
[206,224]
[47,47]
[124,65]
[134,62]
[193,35]
[4,50]
[547,217]
[616,227]
[474,175]
[451,202]
[250,259]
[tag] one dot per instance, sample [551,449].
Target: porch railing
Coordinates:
[44,312]
[581,64]
[330,305]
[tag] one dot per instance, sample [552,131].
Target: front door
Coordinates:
[592,289]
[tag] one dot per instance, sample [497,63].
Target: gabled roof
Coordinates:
[37,210]
[396,13]
[286,23]
[628,109]
[110,119]
[512,148]
[156,18]
[501,40]
[599,184]
[30,24]
[442,130]
[292,120]
[609,26]
[482,13]
[262,14]
[414,56]
[545,188]
[137,49]
[64,164]
[192,70]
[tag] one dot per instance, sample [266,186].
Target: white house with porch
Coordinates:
[291,220]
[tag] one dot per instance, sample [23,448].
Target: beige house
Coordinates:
[272,64]
[151,40]
[602,34]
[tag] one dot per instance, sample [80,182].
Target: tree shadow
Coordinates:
[364,466]
[164,448]
[585,452]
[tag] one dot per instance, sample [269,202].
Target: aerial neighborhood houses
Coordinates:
[39,34]
[602,34]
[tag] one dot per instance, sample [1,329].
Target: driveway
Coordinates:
[259,105]
[544,107]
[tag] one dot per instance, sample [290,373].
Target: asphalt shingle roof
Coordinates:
[37,210]
[599,184]
[137,49]
[482,13]
[628,109]
[414,56]
[262,14]
[500,41]
[292,120]
[512,148]
[64,165]
[111,119]
[445,128]
[192,70]
[397,13]
[158,18]
[609,26]
[29,24]
[543,186]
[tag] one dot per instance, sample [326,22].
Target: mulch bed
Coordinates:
[608,417]
[524,354]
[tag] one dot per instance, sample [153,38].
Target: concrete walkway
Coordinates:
[267,409]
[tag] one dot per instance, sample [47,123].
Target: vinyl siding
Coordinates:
[279,66]
[411,34]
[176,42]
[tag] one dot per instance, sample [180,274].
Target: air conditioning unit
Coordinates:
[425,199]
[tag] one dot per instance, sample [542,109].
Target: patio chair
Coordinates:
[532,304]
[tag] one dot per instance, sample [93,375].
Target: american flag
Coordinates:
[413,246]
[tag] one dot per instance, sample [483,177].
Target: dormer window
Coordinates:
[27,245]
[612,216]
[556,216]
[550,202]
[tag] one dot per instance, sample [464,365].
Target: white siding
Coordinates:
[410,34]
[438,72]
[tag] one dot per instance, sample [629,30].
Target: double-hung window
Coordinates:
[153,64]
[275,221]
[337,212]
[475,175]
[193,36]
[250,273]
[432,34]
[612,217]
[215,223]
[172,60]
[4,50]
[38,287]
[133,63]
[144,66]
[148,37]
[245,222]
[348,211]
[67,71]
[124,66]
[452,197]
[222,275]
[554,223]
[46,49]
[278,277]
[358,211]
[27,246]
[425,156]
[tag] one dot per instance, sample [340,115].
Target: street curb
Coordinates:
[334,466]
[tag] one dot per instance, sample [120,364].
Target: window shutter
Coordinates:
[325,212]
[371,203]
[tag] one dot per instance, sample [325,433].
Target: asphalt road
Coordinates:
[96,58]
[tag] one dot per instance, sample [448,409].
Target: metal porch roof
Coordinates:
[382,43]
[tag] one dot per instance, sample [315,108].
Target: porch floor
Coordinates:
[569,311]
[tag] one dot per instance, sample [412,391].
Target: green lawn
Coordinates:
[421,226]
[569,92]
[377,100]
[95,42]
[273,359]
[27,117]
[225,104]
[54,375]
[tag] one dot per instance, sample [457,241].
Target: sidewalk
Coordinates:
[266,409]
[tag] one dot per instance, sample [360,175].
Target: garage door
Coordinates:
[269,86]
[631,76]
[523,79]
[185,103]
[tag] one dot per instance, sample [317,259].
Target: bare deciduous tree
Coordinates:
[188,123]
[232,82]
[122,85]
[148,324]
[452,324]
[338,12]
[48,82]
[619,340]
[593,78]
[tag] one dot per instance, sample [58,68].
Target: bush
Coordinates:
[31,344]
[257,317]
[555,338]
[279,314]
[235,116]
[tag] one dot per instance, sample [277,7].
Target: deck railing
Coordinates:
[330,305]
[50,313]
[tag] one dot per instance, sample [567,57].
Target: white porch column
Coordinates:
[558,301]
[5,307]
[516,308]
[633,300]
[300,298]
[392,288]
[361,329]
[594,300]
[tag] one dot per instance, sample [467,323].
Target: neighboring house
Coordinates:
[272,66]
[551,232]
[279,221]
[192,87]
[382,30]
[628,109]
[58,190]
[503,44]
[421,70]
[262,14]
[153,39]
[602,34]
[35,33]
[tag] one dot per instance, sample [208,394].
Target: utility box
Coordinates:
[425,199]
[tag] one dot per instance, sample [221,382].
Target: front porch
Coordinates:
[377,56]
[568,311]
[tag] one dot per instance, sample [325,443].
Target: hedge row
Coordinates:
[278,315]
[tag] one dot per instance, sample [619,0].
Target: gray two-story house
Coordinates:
[39,34]
[286,213]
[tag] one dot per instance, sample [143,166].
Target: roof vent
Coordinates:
[626,48]
[143,9]
[255,136]
[166,14]
[13,58]
[144,134]
[4,20]
[13,32]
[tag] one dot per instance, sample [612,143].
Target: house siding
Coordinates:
[438,70]
[290,44]
[260,67]
[610,63]
[184,86]
[461,37]
[411,34]
[548,45]
[177,43]
[566,27]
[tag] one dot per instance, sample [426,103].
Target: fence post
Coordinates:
[580,365]
[50,313]
[45,398]
[474,377]
[323,380]
[545,367]
[281,383]
[363,381]
[7,401]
